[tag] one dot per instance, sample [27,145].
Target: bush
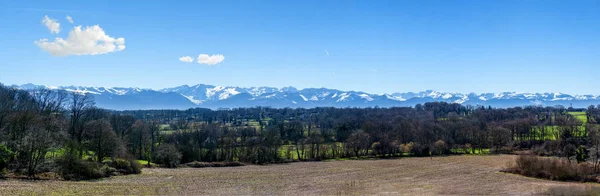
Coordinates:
[196,164]
[72,168]
[136,167]
[126,166]
[406,148]
[228,164]
[548,148]
[503,150]
[108,170]
[5,155]
[168,155]
[439,148]
[49,165]
[553,169]
[3,172]
[581,154]
[419,150]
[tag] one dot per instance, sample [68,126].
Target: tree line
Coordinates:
[266,135]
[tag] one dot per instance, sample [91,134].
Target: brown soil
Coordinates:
[453,175]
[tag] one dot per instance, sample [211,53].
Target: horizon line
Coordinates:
[300,89]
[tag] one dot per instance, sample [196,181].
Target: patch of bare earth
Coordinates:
[453,175]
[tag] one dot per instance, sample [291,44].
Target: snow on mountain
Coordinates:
[462,100]
[209,96]
[191,98]
[367,97]
[343,97]
[397,98]
[303,97]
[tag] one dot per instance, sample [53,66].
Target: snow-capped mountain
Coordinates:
[209,96]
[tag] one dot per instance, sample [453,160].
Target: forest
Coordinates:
[61,132]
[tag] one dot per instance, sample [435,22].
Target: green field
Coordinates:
[552,132]
[476,151]
[145,162]
[164,126]
[580,116]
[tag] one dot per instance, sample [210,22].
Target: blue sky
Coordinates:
[374,46]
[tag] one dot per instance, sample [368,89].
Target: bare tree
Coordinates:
[499,136]
[102,139]
[80,105]
[49,101]
[122,125]
[594,139]
[153,130]
[358,141]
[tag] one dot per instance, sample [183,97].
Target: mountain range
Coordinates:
[214,97]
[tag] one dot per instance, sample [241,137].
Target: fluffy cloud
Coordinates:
[210,60]
[87,41]
[70,19]
[51,24]
[186,59]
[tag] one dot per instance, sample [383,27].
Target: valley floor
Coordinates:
[452,175]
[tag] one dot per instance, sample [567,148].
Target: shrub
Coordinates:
[168,155]
[548,148]
[569,150]
[468,148]
[49,165]
[126,166]
[3,172]
[229,164]
[420,150]
[406,148]
[136,167]
[5,155]
[48,176]
[503,150]
[108,170]
[552,168]
[582,154]
[196,164]
[72,168]
[439,148]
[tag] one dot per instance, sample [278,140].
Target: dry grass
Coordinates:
[553,168]
[453,175]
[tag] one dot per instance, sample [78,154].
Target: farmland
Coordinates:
[551,132]
[454,175]
[363,150]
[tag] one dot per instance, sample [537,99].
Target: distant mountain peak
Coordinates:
[211,96]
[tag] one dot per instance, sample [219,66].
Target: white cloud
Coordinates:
[186,59]
[51,24]
[70,19]
[210,60]
[327,52]
[89,41]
